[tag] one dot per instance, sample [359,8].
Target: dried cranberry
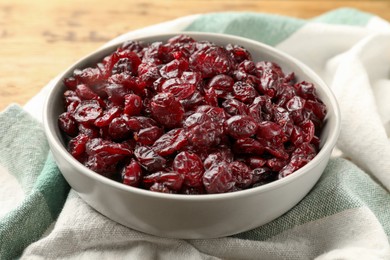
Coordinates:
[248,146]
[76,146]
[88,76]
[221,82]
[170,142]
[234,107]
[244,92]
[191,167]
[167,110]
[218,178]
[133,105]
[88,130]
[68,124]
[147,136]
[241,126]
[128,62]
[179,88]
[174,69]
[108,116]
[160,181]
[242,174]
[212,61]
[149,159]
[88,111]
[201,130]
[132,174]
[190,117]
[136,123]
[219,156]
[238,53]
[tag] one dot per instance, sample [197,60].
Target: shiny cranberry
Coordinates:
[167,110]
[178,87]
[163,181]
[212,61]
[147,136]
[218,179]
[241,126]
[191,167]
[67,124]
[118,128]
[133,105]
[235,107]
[107,116]
[170,142]
[201,130]
[149,159]
[132,174]
[76,146]
[88,111]
[244,92]
[242,174]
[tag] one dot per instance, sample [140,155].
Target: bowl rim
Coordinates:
[55,142]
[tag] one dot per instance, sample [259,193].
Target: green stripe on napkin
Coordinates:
[25,153]
[346,16]
[269,29]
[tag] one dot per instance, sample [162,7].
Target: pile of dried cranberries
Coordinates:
[190,117]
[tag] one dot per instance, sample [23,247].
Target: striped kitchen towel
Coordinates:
[345,216]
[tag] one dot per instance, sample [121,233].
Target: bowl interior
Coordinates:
[54,107]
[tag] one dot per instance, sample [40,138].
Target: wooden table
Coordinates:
[41,38]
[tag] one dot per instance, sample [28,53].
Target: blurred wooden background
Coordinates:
[41,38]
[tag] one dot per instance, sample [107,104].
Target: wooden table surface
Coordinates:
[41,38]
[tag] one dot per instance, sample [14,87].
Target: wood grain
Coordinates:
[39,39]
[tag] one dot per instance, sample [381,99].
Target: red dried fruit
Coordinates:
[108,116]
[88,111]
[248,146]
[170,142]
[178,87]
[201,130]
[76,146]
[222,154]
[244,92]
[128,62]
[133,105]
[174,69]
[221,82]
[242,174]
[167,110]
[149,159]
[190,166]
[241,126]
[190,117]
[238,53]
[218,178]
[160,181]
[89,76]
[136,123]
[234,107]
[147,136]
[67,124]
[212,61]
[118,128]
[88,130]
[132,174]
[272,132]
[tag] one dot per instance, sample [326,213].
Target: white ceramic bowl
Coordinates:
[194,216]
